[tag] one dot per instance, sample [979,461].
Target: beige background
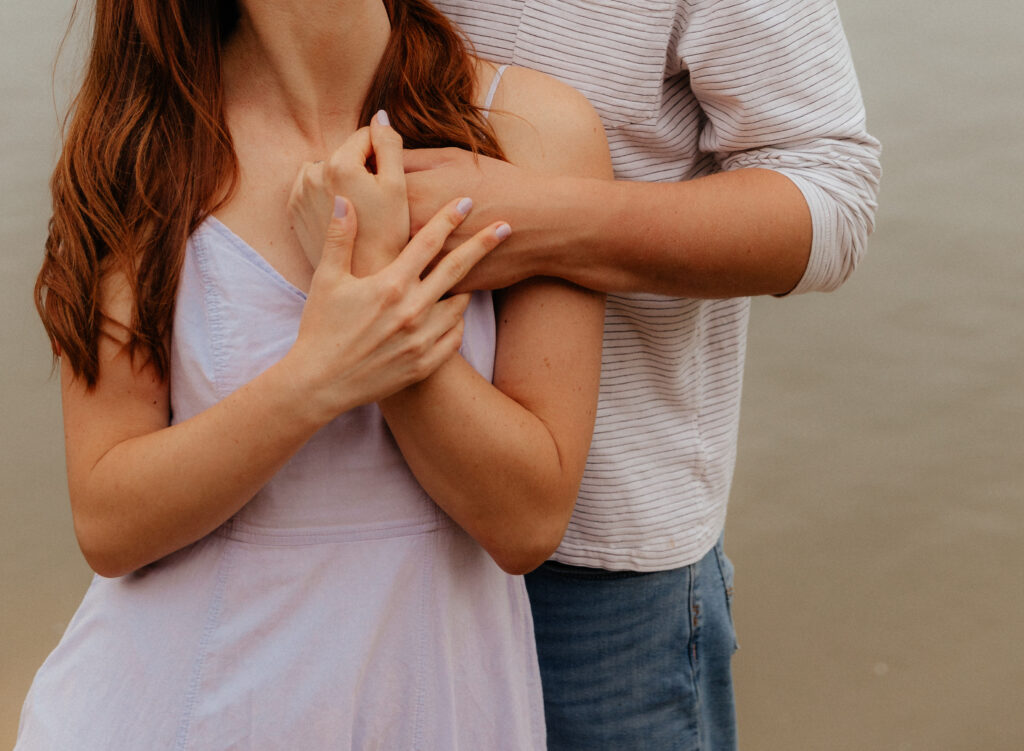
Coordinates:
[876,523]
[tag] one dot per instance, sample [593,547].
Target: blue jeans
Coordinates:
[636,660]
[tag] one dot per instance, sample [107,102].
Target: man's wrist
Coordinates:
[557,225]
[574,220]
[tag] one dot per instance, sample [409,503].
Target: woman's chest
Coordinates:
[257,212]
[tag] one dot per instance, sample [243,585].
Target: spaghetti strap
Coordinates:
[494,88]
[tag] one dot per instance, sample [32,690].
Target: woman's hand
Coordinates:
[364,338]
[379,197]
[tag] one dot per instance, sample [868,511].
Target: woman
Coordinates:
[273,573]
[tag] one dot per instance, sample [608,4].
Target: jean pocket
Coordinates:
[612,51]
[727,571]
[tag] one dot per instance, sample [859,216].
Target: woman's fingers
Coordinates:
[452,308]
[454,266]
[441,335]
[309,209]
[299,184]
[440,318]
[387,150]
[352,155]
[427,243]
[443,348]
[340,238]
[378,141]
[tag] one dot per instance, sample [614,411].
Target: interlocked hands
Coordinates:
[375,320]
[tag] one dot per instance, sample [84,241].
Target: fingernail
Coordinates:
[340,207]
[464,206]
[382,117]
[503,231]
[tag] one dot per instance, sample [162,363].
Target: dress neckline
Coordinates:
[248,252]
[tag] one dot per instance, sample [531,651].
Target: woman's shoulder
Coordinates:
[543,123]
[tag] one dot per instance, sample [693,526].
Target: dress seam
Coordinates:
[242,533]
[212,620]
[426,593]
[214,319]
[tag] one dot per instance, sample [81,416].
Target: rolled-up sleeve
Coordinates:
[777,85]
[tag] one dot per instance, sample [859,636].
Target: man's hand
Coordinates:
[435,176]
[500,192]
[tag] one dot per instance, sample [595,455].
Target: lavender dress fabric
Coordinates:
[339,609]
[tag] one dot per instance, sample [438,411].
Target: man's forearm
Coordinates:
[736,233]
[731,234]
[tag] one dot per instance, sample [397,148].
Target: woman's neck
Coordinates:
[307,63]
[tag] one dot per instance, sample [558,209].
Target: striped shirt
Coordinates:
[686,88]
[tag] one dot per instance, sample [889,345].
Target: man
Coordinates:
[744,167]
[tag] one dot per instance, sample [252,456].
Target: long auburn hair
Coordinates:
[147,155]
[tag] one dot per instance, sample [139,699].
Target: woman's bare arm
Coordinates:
[506,462]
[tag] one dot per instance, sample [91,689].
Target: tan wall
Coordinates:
[877,523]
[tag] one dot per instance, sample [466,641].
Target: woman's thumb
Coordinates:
[341,236]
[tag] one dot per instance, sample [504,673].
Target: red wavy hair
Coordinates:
[147,155]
